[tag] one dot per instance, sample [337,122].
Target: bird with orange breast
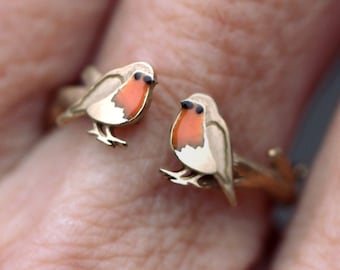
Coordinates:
[199,138]
[118,98]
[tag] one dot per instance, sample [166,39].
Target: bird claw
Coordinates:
[114,140]
[107,137]
[179,178]
[100,137]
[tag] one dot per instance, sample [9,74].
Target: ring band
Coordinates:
[199,136]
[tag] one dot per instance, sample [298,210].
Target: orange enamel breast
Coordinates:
[188,130]
[131,97]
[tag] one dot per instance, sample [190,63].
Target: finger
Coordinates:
[114,202]
[252,68]
[313,239]
[43,44]
[115,215]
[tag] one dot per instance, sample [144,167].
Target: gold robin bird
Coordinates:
[118,98]
[200,139]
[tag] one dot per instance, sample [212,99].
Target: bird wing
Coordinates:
[109,84]
[219,143]
[105,87]
[105,111]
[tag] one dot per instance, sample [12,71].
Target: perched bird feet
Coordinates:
[114,140]
[99,135]
[181,179]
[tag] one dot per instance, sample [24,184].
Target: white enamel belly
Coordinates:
[106,112]
[199,159]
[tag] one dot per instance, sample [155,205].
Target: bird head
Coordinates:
[135,93]
[148,79]
[189,127]
[195,107]
[203,104]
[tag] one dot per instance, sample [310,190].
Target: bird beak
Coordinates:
[149,80]
[155,82]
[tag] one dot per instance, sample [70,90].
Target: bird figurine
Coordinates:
[199,137]
[118,98]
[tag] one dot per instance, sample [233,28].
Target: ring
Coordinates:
[118,98]
[199,138]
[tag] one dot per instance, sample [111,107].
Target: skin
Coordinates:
[68,202]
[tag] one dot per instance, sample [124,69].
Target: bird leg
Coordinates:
[114,140]
[180,178]
[99,134]
[105,136]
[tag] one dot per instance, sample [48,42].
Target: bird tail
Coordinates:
[226,183]
[69,104]
[70,114]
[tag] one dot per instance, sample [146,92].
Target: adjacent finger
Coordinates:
[43,45]
[313,240]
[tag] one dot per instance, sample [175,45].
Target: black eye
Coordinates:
[137,75]
[186,104]
[199,109]
[148,80]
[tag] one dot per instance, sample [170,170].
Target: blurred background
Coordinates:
[317,117]
[316,121]
[314,126]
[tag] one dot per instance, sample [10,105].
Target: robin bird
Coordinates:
[118,98]
[200,139]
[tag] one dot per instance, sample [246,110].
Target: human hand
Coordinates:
[68,202]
